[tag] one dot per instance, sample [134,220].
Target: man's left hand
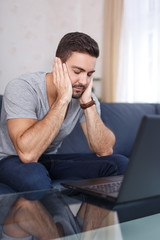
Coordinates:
[86,96]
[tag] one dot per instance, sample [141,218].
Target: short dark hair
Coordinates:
[76,42]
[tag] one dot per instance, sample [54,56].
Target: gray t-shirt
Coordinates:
[26,97]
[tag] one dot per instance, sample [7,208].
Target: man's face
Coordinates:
[81,67]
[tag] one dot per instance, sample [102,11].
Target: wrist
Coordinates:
[88,104]
[86,100]
[61,102]
[64,99]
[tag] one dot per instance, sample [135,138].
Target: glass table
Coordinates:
[62,214]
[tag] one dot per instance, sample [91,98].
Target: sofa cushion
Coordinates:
[75,142]
[124,120]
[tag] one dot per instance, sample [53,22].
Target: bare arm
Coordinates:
[31,137]
[100,138]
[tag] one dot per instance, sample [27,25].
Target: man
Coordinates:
[40,109]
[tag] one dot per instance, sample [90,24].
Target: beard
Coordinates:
[78,90]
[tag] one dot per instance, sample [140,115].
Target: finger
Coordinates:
[90,84]
[54,70]
[57,69]
[66,72]
[60,68]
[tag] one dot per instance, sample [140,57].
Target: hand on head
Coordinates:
[61,80]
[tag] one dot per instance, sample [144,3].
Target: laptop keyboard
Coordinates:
[106,187]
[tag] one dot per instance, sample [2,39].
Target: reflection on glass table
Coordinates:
[55,215]
[59,215]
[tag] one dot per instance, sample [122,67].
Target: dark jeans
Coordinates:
[39,176]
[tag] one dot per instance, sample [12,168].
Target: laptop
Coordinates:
[142,176]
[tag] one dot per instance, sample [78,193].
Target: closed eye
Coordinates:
[90,74]
[77,72]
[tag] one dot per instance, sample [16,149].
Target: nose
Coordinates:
[83,79]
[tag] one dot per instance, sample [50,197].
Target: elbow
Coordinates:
[113,141]
[108,149]
[107,152]
[27,157]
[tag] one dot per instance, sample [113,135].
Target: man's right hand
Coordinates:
[61,81]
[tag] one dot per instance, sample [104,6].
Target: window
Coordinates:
[139,62]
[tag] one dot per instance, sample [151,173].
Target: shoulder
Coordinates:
[24,82]
[27,78]
[21,96]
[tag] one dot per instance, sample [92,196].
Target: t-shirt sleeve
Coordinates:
[20,100]
[82,119]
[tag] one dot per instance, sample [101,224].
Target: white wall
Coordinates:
[30,31]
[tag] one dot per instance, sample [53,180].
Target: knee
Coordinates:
[119,162]
[37,177]
[36,182]
[122,163]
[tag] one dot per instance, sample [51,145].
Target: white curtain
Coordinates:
[111,43]
[139,61]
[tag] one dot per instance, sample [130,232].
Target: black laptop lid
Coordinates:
[142,177]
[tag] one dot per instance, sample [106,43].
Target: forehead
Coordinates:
[82,60]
